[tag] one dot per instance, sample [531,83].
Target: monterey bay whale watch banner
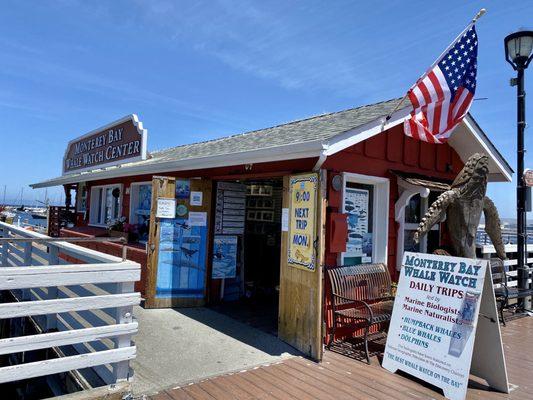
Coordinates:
[433,326]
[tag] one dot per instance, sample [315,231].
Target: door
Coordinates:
[177,247]
[302,255]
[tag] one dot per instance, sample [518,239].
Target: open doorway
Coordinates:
[248,225]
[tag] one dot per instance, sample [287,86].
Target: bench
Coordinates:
[361,296]
[503,292]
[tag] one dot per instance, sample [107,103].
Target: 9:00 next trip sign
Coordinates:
[118,142]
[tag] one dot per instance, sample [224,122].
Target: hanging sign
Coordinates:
[528,177]
[434,324]
[302,217]
[113,144]
[166,208]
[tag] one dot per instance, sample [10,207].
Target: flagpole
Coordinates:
[474,20]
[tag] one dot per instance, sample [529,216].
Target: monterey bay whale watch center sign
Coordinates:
[113,144]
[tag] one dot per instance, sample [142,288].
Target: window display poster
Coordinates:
[197,218]
[224,257]
[183,189]
[359,243]
[433,325]
[196,198]
[302,215]
[142,212]
[182,259]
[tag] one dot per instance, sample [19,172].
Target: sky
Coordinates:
[197,70]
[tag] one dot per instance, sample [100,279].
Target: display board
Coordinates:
[177,247]
[302,221]
[224,257]
[434,323]
[358,206]
[230,208]
[182,255]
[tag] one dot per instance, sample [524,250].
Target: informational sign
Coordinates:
[433,328]
[113,144]
[230,212]
[359,243]
[197,218]
[302,216]
[166,208]
[284,219]
[181,261]
[196,198]
[528,177]
[224,257]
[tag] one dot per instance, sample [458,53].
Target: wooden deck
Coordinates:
[341,377]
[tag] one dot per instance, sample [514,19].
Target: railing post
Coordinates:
[124,315]
[53,259]
[5,248]
[27,261]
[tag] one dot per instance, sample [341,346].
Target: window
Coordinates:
[105,204]
[81,197]
[410,208]
[140,205]
[414,212]
[366,202]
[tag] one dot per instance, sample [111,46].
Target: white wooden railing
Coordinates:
[84,312]
[511,263]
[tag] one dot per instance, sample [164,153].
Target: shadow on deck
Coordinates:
[343,377]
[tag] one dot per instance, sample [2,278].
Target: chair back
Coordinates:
[360,282]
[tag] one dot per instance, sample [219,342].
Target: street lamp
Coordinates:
[518,53]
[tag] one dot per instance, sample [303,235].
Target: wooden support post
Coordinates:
[51,319]
[124,315]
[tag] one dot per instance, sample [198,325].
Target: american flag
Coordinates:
[442,97]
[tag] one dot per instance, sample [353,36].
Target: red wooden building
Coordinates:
[231,235]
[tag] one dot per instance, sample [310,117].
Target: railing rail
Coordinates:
[82,310]
[488,251]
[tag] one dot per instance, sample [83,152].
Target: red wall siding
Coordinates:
[390,150]
[278,168]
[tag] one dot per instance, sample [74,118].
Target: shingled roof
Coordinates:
[317,136]
[320,127]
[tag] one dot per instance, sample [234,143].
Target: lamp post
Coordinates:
[518,53]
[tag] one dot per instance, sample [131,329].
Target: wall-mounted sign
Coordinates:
[435,324]
[528,177]
[302,216]
[116,143]
[166,208]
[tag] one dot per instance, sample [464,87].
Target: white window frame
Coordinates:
[407,191]
[380,218]
[93,208]
[132,215]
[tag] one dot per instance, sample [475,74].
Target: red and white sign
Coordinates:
[528,177]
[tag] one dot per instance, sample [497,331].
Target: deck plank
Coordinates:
[339,377]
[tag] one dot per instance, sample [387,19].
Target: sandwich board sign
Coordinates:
[445,325]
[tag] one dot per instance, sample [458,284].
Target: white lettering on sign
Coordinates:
[124,140]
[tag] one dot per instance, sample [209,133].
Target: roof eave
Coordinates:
[308,149]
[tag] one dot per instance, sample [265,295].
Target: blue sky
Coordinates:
[196,70]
